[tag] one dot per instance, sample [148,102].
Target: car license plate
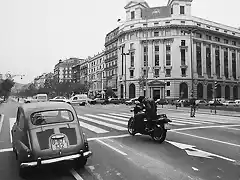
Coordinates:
[167,126]
[58,144]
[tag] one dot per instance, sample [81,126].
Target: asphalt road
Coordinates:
[205,147]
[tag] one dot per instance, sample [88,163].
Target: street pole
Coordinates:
[192,74]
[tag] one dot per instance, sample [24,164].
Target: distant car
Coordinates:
[37,98]
[229,103]
[161,101]
[99,100]
[131,101]
[46,133]
[60,99]
[114,100]
[91,101]
[80,99]
[1,100]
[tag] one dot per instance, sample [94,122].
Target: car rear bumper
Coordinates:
[55,160]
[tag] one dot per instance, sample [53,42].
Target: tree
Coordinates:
[5,87]
[110,92]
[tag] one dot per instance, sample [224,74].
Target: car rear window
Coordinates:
[50,117]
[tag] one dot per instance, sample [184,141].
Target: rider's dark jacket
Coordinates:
[151,108]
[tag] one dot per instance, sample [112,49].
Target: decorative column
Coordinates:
[163,57]
[237,65]
[230,63]
[195,75]
[150,58]
[203,55]
[221,55]
[205,89]
[231,91]
[213,60]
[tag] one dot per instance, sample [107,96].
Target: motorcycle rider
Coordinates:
[151,110]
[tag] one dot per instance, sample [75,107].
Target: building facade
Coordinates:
[111,59]
[63,69]
[96,73]
[39,81]
[166,52]
[80,72]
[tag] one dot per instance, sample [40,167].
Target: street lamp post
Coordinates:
[125,78]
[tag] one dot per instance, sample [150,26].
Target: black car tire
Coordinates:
[80,162]
[157,137]
[131,129]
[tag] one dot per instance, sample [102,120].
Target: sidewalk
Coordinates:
[201,111]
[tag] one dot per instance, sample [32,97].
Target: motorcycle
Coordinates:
[160,125]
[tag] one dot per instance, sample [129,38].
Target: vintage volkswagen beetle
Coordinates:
[48,132]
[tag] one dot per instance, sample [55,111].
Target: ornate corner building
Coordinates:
[175,54]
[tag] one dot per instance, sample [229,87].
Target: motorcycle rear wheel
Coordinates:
[159,134]
[131,129]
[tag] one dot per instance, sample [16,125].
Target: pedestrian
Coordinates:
[193,107]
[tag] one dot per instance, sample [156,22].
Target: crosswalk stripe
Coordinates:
[185,122]
[93,128]
[122,115]
[128,114]
[107,119]
[177,124]
[207,120]
[192,121]
[116,117]
[113,126]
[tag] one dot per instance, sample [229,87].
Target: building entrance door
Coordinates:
[156,93]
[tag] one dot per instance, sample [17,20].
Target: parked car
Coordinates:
[46,133]
[237,102]
[91,101]
[217,103]
[1,100]
[229,103]
[161,102]
[99,100]
[114,100]
[37,98]
[60,99]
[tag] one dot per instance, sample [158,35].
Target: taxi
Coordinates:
[46,133]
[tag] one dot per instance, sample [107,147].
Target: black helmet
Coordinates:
[141,98]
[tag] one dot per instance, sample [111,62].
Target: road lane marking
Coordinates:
[113,126]
[203,127]
[76,175]
[122,115]
[107,119]
[93,128]
[6,150]
[177,124]
[235,129]
[1,122]
[111,147]
[11,123]
[209,139]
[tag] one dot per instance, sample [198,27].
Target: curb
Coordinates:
[1,122]
[231,115]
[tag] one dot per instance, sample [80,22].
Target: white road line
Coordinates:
[128,114]
[11,123]
[187,118]
[203,127]
[93,128]
[113,148]
[177,124]
[209,139]
[185,122]
[122,115]
[107,119]
[6,150]
[1,122]
[235,129]
[75,175]
[116,117]
[113,126]
[193,120]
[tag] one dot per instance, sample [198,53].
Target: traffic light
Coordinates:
[215,85]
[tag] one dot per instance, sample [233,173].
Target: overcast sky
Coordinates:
[35,34]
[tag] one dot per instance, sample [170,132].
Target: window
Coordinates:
[133,15]
[132,59]
[53,116]
[144,72]
[168,72]
[168,92]
[156,59]
[156,34]
[171,10]
[199,58]
[168,55]
[132,46]
[226,63]
[225,41]
[182,10]
[183,43]
[209,37]
[198,35]
[21,120]
[156,48]
[234,65]
[168,83]
[183,57]
[217,39]
[156,72]
[145,56]
[183,72]
[234,43]
[208,60]
[156,23]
